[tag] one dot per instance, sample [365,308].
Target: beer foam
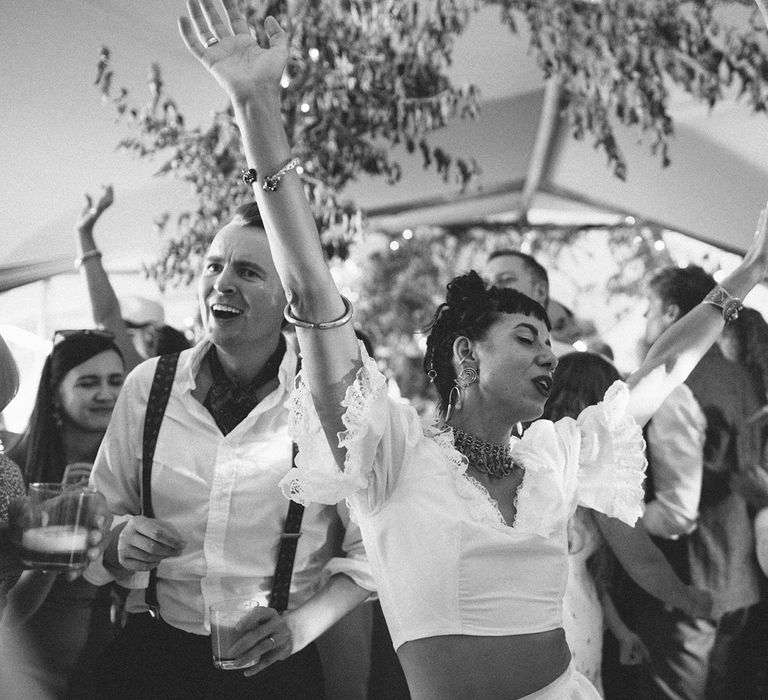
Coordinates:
[56,539]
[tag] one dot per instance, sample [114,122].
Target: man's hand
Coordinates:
[266,638]
[145,542]
[632,650]
[229,51]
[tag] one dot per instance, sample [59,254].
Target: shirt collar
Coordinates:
[191,360]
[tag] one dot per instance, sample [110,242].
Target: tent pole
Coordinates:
[542,146]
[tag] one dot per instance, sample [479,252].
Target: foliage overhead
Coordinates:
[366,75]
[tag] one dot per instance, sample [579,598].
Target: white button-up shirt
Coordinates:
[676,458]
[221,494]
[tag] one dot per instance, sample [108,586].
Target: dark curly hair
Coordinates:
[470,308]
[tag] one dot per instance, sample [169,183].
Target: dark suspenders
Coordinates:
[156,404]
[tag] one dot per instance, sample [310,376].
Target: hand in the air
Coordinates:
[91,212]
[229,51]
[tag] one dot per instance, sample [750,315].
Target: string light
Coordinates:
[314,54]
[659,245]
[285,81]
[407,234]
[305,107]
[394,245]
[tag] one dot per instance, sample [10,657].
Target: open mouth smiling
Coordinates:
[224,312]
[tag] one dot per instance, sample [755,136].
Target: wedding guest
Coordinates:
[60,624]
[218,518]
[470,572]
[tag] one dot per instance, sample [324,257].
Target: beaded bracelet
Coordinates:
[322,325]
[729,304]
[95,253]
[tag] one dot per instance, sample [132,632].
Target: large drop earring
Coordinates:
[456,397]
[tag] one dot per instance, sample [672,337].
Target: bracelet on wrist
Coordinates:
[89,255]
[729,304]
[271,182]
[322,325]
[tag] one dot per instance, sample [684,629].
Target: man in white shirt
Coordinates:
[699,521]
[223,446]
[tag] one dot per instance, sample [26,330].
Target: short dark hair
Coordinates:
[683,286]
[470,308]
[248,214]
[580,380]
[537,270]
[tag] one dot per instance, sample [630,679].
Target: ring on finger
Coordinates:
[274,643]
[211,41]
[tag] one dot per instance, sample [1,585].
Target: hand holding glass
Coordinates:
[56,526]
[225,614]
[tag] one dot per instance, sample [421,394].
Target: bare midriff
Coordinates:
[463,667]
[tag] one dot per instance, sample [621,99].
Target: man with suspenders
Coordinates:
[190,466]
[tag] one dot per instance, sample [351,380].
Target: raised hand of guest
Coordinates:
[228,50]
[91,212]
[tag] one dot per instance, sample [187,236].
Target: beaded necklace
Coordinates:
[488,457]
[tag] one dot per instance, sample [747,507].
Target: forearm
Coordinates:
[644,563]
[331,356]
[674,355]
[612,618]
[332,602]
[105,306]
[26,596]
[293,236]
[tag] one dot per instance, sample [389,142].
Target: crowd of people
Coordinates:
[558,531]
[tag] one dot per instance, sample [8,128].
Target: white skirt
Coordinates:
[570,686]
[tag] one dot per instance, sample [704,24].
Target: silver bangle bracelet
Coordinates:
[95,253]
[322,325]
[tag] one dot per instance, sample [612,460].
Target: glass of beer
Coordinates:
[54,535]
[225,614]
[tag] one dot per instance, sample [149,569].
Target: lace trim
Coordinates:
[491,500]
[613,455]
[538,509]
[482,507]
[317,477]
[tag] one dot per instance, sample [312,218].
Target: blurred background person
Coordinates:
[59,624]
[581,379]
[138,324]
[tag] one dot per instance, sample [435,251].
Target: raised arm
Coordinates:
[104,304]
[674,355]
[648,567]
[250,75]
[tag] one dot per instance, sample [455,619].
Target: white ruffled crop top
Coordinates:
[444,560]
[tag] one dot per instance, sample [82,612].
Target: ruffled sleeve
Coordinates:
[611,459]
[378,434]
